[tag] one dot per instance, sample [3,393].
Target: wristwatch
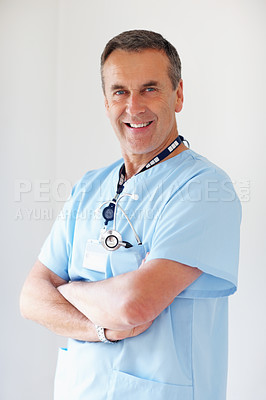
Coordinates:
[101,335]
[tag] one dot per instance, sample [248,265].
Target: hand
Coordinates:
[120,335]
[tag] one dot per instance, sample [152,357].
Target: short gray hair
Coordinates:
[138,40]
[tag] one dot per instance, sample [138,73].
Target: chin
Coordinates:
[138,149]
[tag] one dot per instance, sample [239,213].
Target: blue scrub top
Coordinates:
[187,211]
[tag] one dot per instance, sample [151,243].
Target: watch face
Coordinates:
[108,213]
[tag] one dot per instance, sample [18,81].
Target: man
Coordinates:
[141,287]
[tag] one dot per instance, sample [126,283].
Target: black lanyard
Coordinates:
[108,212]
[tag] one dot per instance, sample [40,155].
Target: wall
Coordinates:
[54,126]
[28,48]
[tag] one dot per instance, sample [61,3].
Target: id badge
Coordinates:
[95,257]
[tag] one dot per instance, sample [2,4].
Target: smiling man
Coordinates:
[141,287]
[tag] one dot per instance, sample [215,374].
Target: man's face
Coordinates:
[140,100]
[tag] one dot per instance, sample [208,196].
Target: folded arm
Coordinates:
[131,299]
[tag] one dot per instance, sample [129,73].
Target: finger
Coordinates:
[146,256]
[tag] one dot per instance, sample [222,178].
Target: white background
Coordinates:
[53,126]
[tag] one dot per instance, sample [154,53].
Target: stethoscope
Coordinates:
[111,239]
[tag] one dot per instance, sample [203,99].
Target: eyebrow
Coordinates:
[150,83]
[116,86]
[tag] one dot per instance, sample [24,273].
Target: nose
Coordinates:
[135,104]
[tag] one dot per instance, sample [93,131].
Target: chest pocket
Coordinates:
[125,260]
[113,263]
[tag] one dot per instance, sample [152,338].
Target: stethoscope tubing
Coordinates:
[124,213]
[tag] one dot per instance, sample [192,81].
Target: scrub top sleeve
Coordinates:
[55,253]
[199,226]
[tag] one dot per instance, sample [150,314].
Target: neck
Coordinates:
[135,162]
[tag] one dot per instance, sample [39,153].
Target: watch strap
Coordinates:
[101,335]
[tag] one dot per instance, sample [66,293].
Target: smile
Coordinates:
[143,125]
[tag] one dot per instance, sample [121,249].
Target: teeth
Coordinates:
[139,125]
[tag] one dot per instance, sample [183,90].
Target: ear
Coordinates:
[179,97]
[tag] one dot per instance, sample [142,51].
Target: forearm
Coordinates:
[41,302]
[102,302]
[131,299]
[114,303]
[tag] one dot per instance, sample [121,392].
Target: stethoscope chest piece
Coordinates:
[111,240]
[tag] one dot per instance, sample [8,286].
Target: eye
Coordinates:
[119,92]
[150,89]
